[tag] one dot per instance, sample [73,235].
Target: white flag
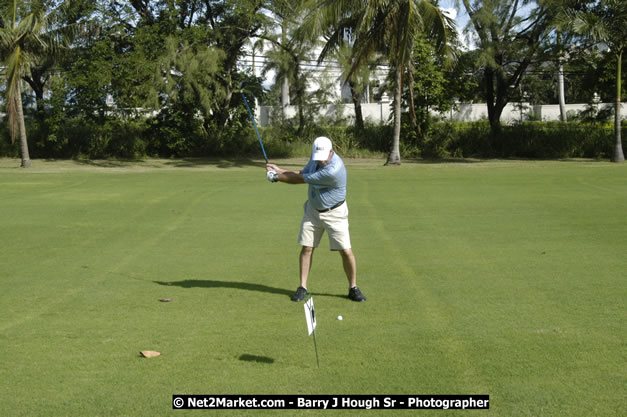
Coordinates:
[310,316]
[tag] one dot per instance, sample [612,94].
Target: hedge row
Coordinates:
[116,138]
[534,140]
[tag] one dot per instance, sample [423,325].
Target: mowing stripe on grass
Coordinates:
[429,308]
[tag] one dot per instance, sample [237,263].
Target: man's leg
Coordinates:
[350,266]
[306,257]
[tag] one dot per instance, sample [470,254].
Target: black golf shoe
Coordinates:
[356,295]
[300,294]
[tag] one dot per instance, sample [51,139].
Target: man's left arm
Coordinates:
[286,176]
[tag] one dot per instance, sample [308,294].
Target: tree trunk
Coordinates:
[496,99]
[618,145]
[285,96]
[560,91]
[301,119]
[221,114]
[22,128]
[394,158]
[412,106]
[359,117]
[560,79]
[285,85]
[495,120]
[37,84]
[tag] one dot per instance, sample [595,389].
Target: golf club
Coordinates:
[250,113]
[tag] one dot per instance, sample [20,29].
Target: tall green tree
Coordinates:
[605,21]
[34,36]
[287,54]
[19,41]
[286,61]
[162,29]
[358,81]
[510,36]
[428,86]
[186,74]
[230,24]
[389,27]
[66,21]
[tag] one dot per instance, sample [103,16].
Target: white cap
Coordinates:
[321,148]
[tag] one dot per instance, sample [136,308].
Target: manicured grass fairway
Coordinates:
[499,278]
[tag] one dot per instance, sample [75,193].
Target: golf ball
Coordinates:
[339,317]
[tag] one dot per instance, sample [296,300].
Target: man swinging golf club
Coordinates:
[325,209]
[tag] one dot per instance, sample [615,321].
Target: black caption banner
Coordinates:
[331,402]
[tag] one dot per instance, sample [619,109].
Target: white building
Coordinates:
[328,73]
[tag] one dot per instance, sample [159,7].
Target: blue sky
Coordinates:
[460,16]
[450,5]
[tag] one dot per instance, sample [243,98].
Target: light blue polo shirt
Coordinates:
[327,185]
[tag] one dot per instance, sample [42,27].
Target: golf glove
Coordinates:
[272,176]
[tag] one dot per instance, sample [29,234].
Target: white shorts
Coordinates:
[335,222]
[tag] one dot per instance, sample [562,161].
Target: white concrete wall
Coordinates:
[379,113]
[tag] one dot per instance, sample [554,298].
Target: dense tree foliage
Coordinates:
[509,42]
[163,77]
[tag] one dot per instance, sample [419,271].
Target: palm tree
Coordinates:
[17,40]
[381,26]
[286,59]
[255,48]
[357,82]
[285,49]
[29,48]
[63,27]
[605,23]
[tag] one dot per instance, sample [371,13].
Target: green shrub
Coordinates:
[440,142]
[475,139]
[540,140]
[551,140]
[167,137]
[127,138]
[8,149]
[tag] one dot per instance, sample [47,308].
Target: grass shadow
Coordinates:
[107,163]
[436,161]
[172,163]
[204,283]
[218,163]
[198,283]
[254,358]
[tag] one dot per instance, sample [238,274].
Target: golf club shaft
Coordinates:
[250,113]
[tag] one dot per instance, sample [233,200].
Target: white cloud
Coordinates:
[450,12]
[461,20]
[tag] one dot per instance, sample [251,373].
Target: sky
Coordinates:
[449,7]
[460,17]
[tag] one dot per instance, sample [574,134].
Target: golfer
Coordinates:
[325,209]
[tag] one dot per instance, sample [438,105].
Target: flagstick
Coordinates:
[314,335]
[316,348]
